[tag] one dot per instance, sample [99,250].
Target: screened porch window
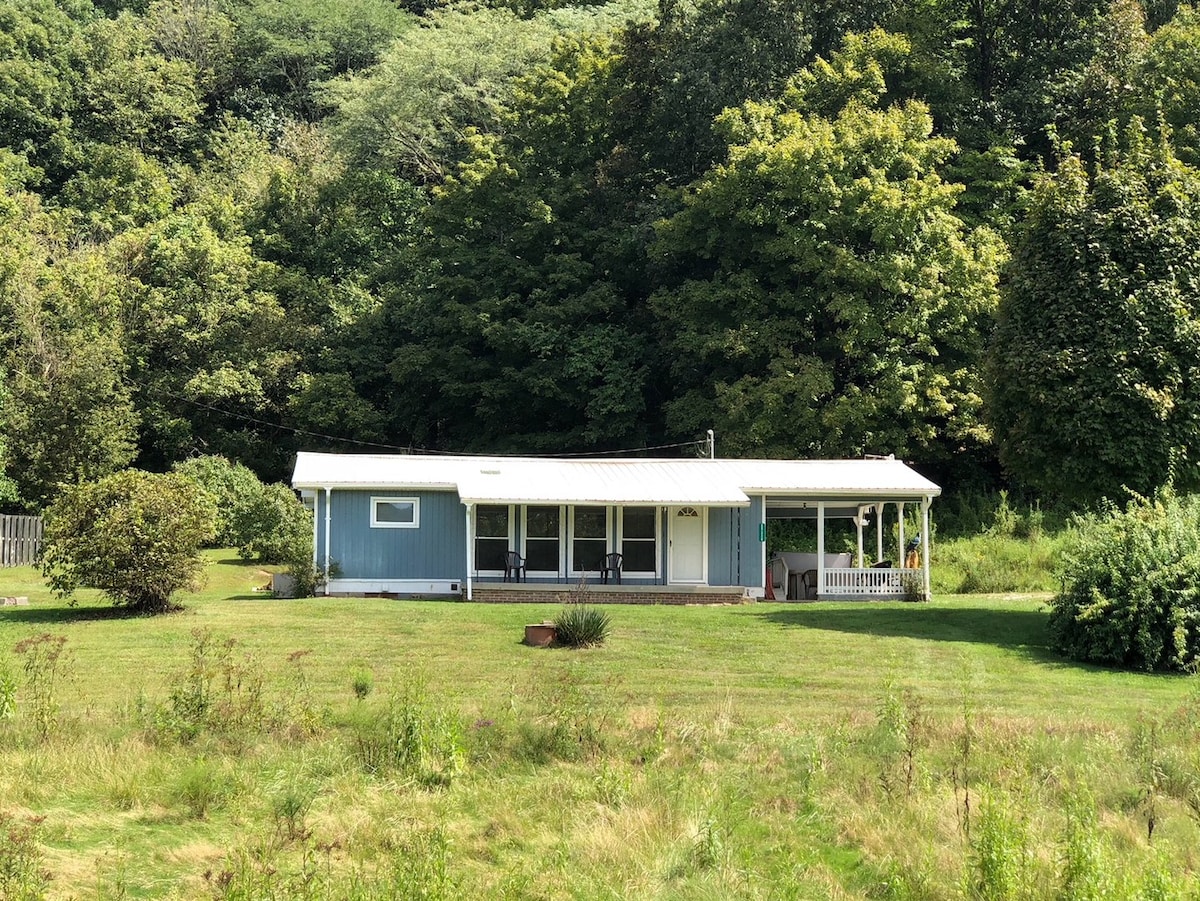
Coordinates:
[639,530]
[589,538]
[543,535]
[492,534]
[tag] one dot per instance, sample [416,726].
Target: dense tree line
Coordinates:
[962,231]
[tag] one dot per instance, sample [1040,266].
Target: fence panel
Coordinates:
[20,540]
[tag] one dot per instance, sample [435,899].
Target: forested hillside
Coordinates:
[963,231]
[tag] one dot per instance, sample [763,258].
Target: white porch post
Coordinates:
[900,514]
[316,526]
[470,554]
[820,549]
[879,531]
[858,522]
[925,545]
[328,514]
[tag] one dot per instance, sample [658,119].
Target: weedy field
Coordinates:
[252,748]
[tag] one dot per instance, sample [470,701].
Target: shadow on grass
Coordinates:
[1024,631]
[64,613]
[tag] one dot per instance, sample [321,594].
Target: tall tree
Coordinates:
[68,415]
[521,329]
[826,298]
[1094,377]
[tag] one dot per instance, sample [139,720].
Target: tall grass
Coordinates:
[987,545]
[853,751]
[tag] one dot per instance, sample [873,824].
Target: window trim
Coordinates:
[378,499]
[656,538]
[562,541]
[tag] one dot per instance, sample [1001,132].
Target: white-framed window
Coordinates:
[589,538]
[543,540]
[395,513]
[638,541]
[493,537]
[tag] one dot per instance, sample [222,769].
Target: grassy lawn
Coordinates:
[757,751]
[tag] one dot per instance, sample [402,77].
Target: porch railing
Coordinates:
[893,582]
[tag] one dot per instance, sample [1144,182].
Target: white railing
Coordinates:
[872,583]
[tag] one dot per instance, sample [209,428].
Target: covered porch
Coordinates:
[892,571]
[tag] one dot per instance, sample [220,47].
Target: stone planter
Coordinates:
[540,635]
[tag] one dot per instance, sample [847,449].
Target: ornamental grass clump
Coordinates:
[581,626]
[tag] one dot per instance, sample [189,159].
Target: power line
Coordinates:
[408,450]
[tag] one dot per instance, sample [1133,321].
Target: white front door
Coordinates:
[686,537]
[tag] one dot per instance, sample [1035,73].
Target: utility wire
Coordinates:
[408,450]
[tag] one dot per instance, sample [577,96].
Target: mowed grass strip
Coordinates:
[737,749]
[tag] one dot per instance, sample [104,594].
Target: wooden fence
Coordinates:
[20,539]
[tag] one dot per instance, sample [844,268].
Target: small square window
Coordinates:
[395,513]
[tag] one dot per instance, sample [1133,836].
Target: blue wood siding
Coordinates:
[437,548]
[734,551]
[434,550]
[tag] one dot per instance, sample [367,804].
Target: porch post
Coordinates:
[316,526]
[879,531]
[470,552]
[328,514]
[900,514]
[820,549]
[858,522]
[925,545]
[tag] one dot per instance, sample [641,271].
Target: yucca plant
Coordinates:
[581,626]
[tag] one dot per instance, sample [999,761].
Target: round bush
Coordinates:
[1130,592]
[230,485]
[134,535]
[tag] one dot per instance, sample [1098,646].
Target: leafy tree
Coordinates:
[132,95]
[133,535]
[1105,92]
[1130,592]
[522,329]
[1094,377]
[825,299]
[452,76]
[272,526]
[283,48]
[1172,79]
[210,344]
[693,62]
[69,415]
[8,488]
[229,486]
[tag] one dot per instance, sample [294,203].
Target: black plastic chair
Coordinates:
[808,584]
[612,566]
[514,567]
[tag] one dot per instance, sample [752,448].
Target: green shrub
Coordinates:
[272,526]
[1130,592]
[582,626]
[229,485]
[134,535]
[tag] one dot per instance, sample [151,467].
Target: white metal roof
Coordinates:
[529,480]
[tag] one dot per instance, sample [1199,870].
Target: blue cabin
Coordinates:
[641,530]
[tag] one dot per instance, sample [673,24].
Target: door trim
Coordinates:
[672,512]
